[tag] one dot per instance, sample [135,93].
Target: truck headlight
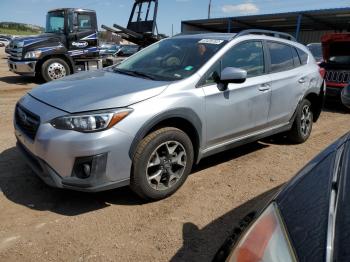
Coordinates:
[265,240]
[33,54]
[90,122]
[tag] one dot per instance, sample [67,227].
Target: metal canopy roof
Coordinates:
[337,19]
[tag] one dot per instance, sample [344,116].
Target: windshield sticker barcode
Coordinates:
[211,41]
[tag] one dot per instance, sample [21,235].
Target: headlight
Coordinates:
[265,240]
[33,54]
[90,122]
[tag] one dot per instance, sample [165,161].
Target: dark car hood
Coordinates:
[304,204]
[96,90]
[29,40]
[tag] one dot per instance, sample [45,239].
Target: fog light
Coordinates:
[90,167]
[87,170]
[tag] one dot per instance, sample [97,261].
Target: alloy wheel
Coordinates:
[306,120]
[166,165]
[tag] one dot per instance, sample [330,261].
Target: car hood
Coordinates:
[95,90]
[36,39]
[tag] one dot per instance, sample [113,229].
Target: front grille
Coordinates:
[340,77]
[15,51]
[27,122]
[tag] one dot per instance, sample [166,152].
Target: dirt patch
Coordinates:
[39,223]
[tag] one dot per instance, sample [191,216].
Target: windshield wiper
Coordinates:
[133,73]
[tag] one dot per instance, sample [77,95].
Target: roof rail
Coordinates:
[266,32]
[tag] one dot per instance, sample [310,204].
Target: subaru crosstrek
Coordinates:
[147,120]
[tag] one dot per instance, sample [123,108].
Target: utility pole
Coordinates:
[209,9]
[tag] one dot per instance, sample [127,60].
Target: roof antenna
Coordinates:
[209,9]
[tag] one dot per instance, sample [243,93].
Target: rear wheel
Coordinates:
[54,68]
[161,164]
[302,125]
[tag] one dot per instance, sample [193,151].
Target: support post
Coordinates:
[297,32]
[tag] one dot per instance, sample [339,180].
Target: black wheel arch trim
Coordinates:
[318,106]
[185,113]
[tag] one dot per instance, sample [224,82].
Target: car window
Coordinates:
[212,75]
[280,56]
[248,56]
[84,21]
[174,58]
[303,56]
[296,58]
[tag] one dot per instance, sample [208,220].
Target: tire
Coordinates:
[302,125]
[153,159]
[54,68]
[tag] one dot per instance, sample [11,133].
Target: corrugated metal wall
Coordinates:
[305,37]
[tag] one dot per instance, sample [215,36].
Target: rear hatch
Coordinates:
[336,53]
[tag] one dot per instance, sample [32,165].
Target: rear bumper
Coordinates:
[333,93]
[22,68]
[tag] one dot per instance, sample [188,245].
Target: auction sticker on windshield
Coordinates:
[210,41]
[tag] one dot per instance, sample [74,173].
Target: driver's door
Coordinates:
[241,109]
[83,38]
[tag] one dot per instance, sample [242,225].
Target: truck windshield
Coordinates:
[55,22]
[172,59]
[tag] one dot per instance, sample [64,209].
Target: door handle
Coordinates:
[302,80]
[264,87]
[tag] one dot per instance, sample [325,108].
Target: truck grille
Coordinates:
[340,77]
[15,51]
[27,122]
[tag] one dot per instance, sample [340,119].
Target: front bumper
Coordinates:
[54,154]
[22,67]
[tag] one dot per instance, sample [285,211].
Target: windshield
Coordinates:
[172,59]
[316,50]
[55,22]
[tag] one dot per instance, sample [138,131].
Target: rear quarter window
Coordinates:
[303,56]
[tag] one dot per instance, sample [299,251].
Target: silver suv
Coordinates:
[147,120]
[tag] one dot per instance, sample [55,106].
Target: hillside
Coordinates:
[13,28]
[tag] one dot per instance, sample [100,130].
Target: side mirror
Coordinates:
[231,75]
[345,96]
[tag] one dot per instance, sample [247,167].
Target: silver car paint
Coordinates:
[242,111]
[95,90]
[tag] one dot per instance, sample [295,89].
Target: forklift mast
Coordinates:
[141,19]
[142,25]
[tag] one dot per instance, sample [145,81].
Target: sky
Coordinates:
[171,12]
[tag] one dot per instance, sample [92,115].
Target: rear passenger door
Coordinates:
[287,81]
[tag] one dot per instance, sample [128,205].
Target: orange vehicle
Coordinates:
[336,54]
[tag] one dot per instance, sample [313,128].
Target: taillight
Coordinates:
[266,240]
[322,72]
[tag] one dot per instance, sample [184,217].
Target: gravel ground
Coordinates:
[39,223]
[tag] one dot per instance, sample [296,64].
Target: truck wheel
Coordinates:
[302,125]
[161,164]
[54,68]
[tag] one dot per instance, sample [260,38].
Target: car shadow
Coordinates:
[20,80]
[228,155]
[332,106]
[21,185]
[202,244]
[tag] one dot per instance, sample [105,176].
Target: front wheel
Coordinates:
[302,125]
[161,164]
[54,68]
